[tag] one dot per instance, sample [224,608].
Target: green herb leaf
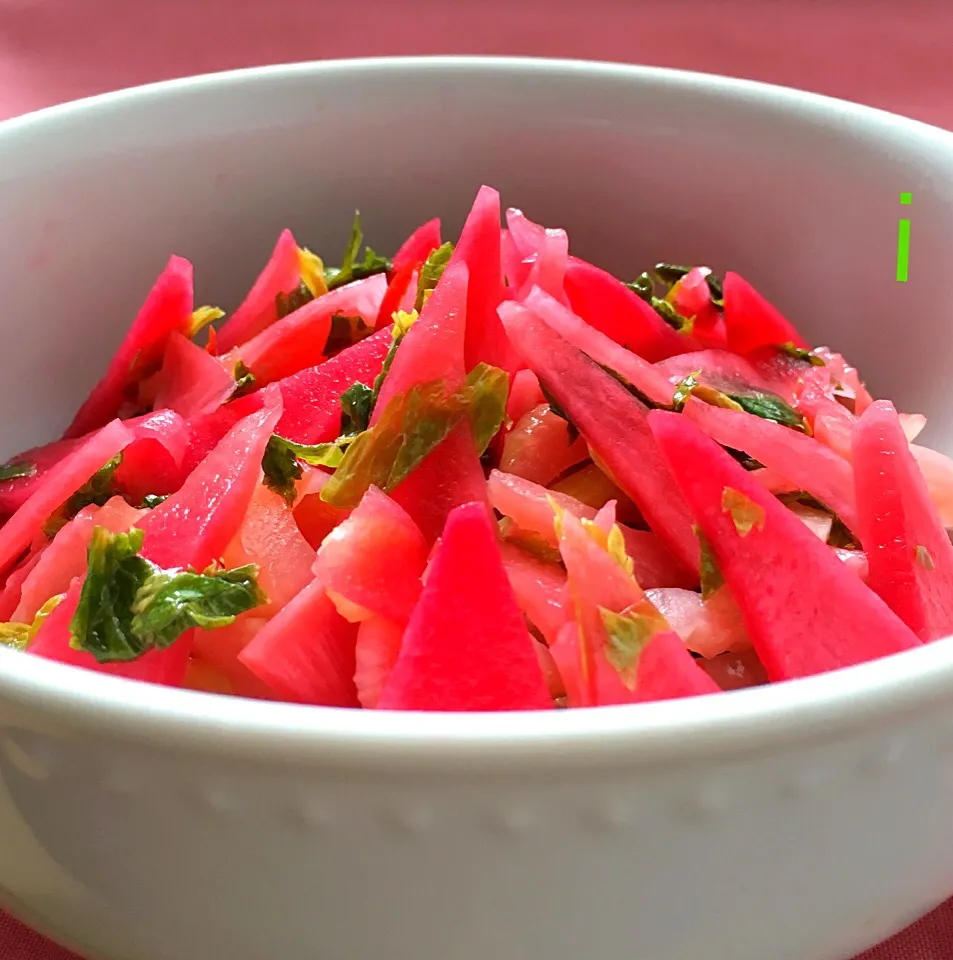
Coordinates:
[128,605]
[351,268]
[14,471]
[532,543]
[202,317]
[711,578]
[170,602]
[244,381]
[151,500]
[769,407]
[286,303]
[97,490]
[402,324]
[431,272]
[643,398]
[280,461]
[357,403]
[745,514]
[643,286]
[488,387]
[412,425]
[628,634]
[345,332]
[798,353]
[683,391]
[925,558]
[669,274]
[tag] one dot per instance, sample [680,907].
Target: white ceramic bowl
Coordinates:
[798,822]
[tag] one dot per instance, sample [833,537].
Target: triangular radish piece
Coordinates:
[311,399]
[479,248]
[466,646]
[375,558]
[668,671]
[418,246]
[752,322]
[613,309]
[908,551]
[376,651]
[167,309]
[802,460]
[259,309]
[432,350]
[305,653]
[193,527]
[805,611]
[613,423]
[192,382]
[58,485]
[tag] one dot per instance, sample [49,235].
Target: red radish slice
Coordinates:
[524,395]
[540,590]
[641,374]
[377,648]
[311,408]
[479,249]
[751,322]
[193,527]
[613,423]
[306,652]
[259,309]
[466,646]
[191,382]
[167,310]
[418,246]
[801,459]
[908,551]
[375,558]
[541,447]
[58,485]
[298,341]
[611,308]
[805,611]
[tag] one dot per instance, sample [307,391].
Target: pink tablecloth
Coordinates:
[895,56]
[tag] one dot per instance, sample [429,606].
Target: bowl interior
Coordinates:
[799,193]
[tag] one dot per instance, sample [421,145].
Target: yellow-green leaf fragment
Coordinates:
[710,574]
[202,317]
[628,634]
[312,272]
[924,557]
[745,514]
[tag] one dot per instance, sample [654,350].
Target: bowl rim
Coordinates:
[759,720]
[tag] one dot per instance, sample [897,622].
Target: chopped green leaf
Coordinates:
[749,463]
[643,398]
[357,404]
[644,286]
[18,636]
[351,268]
[717,290]
[711,578]
[531,542]
[151,500]
[345,332]
[669,274]
[432,271]
[14,635]
[767,406]
[202,317]
[412,425]
[745,514]
[489,387]
[96,491]
[628,634]
[244,381]
[128,605]
[925,558]
[798,353]
[402,324]
[281,468]
[170,602]
[312,272]
[683,390]
[286,303]
[17,470]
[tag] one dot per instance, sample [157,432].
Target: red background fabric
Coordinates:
[895,56]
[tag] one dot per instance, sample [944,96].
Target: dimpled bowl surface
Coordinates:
[802,822]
